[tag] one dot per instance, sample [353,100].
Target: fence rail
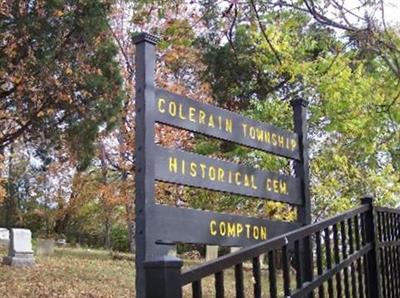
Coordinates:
[354,254]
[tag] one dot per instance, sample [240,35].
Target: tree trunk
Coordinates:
[107,233]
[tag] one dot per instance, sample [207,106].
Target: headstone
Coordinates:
[45,247]
[4,236]
[211,252]
[61,242]
[234,249]
[20,253]
[172,252]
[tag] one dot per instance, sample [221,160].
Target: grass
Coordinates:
[70,273]
[73,272]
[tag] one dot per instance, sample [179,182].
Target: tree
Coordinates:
[277,54]
[58,77]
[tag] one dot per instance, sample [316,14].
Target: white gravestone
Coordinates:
[45,247]
[4,236]
[211,252]
[20,253]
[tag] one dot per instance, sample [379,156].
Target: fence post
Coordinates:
[301,169]
[373,287]
[163,277]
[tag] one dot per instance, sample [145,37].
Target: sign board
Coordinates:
[190,169]
[213,228]
[159,227]
[183,112]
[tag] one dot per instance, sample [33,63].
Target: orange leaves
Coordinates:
[58,13]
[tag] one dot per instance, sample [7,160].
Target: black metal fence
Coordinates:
[355,254]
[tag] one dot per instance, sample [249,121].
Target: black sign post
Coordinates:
[301,168]
[158,227]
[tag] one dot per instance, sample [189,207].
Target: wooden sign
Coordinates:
[183,112]
[158,228]
[213,228]
[190,169]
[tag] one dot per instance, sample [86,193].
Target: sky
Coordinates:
[391,10]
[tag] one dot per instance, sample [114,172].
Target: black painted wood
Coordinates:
[372,269]
[184,225]
[145,65]
[183,112]
[177,166]
[301,170]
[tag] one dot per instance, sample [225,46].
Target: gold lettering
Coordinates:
[294,144]
[230,177]
[269,184]
[221,174]
[211,173]
[231,229]
[219,122]
[283,187]
[228,125]
[246,180]
[267,137]
[239,229]
[260,135]
[161,104]
[247,230]
[173,164]
[276,186]
[203,170]
[237,178]
[253,184]
[211,121]
[183,167]
[256,232]
[193,169]
[213,230]
[274,141]
[222,228]
[191,114]
[202,117]
[172,108]
[252,132]
[244,128]
[263,233]
[281,141]
[181,115]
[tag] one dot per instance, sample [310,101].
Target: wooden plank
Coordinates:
[183,112]
[181,225]
[191,169]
